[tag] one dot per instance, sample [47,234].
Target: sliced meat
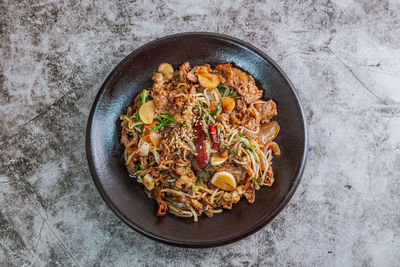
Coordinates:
[249,92]
[183,71]
[251,124]
[252,119]
[239,172]
[192,74]
[181,97]
[235,118]
[159,94]
[158,79]
[197,205]
[269,179]
[250,195]
[240,105]
[226,74]
[267,110]
[249,118]
[187,177]
[254,113]
[240,77]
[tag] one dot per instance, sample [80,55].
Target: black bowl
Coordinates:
[126,197]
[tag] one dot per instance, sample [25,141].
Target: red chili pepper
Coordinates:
[162,210]
[202,159]
[214,136]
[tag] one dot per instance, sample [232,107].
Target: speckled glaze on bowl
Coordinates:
[126,197]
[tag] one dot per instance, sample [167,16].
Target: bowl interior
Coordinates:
[127,198]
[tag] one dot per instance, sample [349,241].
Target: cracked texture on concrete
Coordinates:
[342,56]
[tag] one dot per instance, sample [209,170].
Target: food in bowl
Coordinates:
[200,139]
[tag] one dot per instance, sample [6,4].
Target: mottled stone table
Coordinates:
[342,56]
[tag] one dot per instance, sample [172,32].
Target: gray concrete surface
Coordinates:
[343,57]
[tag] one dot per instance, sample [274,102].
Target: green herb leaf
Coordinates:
[222,88]
[162,124]
[143,98]
[250,142]
[233,153]
[166,116]
[204,211]
[137,167]
[170,118]
[230,94]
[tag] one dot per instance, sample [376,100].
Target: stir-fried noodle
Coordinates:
[200,138]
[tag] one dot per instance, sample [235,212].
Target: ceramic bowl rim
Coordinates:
[274,212]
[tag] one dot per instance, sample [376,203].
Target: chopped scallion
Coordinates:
[162,124]
[143,98]
[222,88]
[137,167]
[170,118]
[250,142]
[216,110]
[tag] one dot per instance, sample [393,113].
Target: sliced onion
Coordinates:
[144,149]
[266,134]
[155,138]
[275,148]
